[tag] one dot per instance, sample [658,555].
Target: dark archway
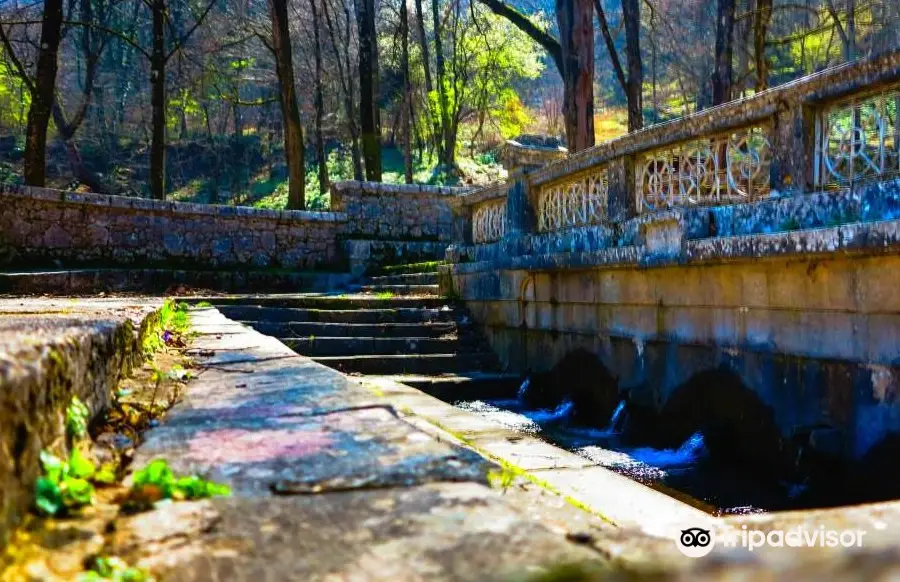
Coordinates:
[736,424]
[582,378]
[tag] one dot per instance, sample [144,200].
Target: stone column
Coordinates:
[622,195]
[793,148]
[461,229]
[520,218]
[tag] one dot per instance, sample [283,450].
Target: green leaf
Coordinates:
[48,497]
[77,415]
[53,466]
[77,492]
[158,474]
[106,475]
[79,466]
[196,488]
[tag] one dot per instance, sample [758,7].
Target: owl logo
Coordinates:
[695,542]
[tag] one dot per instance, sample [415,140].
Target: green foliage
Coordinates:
[424,267]
[502,478]
[65,486]
[113,569]
[157,482]
[77,416]
[173,322]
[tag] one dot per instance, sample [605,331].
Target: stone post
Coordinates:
[520,219]
[461,229]
[622,196]
[793,148]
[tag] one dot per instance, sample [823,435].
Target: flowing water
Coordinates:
[687,472]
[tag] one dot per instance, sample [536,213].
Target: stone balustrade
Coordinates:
[827,131]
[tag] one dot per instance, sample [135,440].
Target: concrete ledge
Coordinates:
[51,351]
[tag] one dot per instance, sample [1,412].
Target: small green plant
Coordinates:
[384,295]
[113,569]
[157,482]
[77,416]
[502,478]
[173,322]
[65,486]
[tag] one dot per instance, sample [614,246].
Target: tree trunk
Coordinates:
[407,93]
[763,17]
[576,32]
[290,112]
[722,77]
[319,103]
[449,156]
[370,118]
[35,171]
[429,85]
[158,103]
[631,14]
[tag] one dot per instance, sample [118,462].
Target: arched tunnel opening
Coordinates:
[737,426]
[713,441]
[582,379]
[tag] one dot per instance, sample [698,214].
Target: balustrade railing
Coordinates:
[577,201]
[832,129]
[489,221]
[722,169]
[858,139]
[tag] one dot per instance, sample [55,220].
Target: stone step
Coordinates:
[410,363]
[292,329]
[430,278]
[341,302]
[403,290]
[426,267]
[361,346]
[463,385]
[257,313]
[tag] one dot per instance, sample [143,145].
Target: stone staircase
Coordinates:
[396,326]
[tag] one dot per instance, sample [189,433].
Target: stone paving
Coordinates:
[329,482]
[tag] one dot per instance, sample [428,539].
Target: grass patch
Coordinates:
[412,268]
[168,326]
[385,295]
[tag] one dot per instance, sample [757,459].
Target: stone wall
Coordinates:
[402,212]
[43,227]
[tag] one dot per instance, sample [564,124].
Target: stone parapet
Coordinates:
[40,226]
[410,212]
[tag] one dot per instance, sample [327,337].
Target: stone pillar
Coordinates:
[520,219]
[793,148]
[461,229]
[622,195]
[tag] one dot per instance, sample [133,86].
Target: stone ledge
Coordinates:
[181,208]
[868,238]
[50,351]
[91,281]
[377,188]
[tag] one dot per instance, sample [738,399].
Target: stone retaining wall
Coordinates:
[40,227]
[395,211]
